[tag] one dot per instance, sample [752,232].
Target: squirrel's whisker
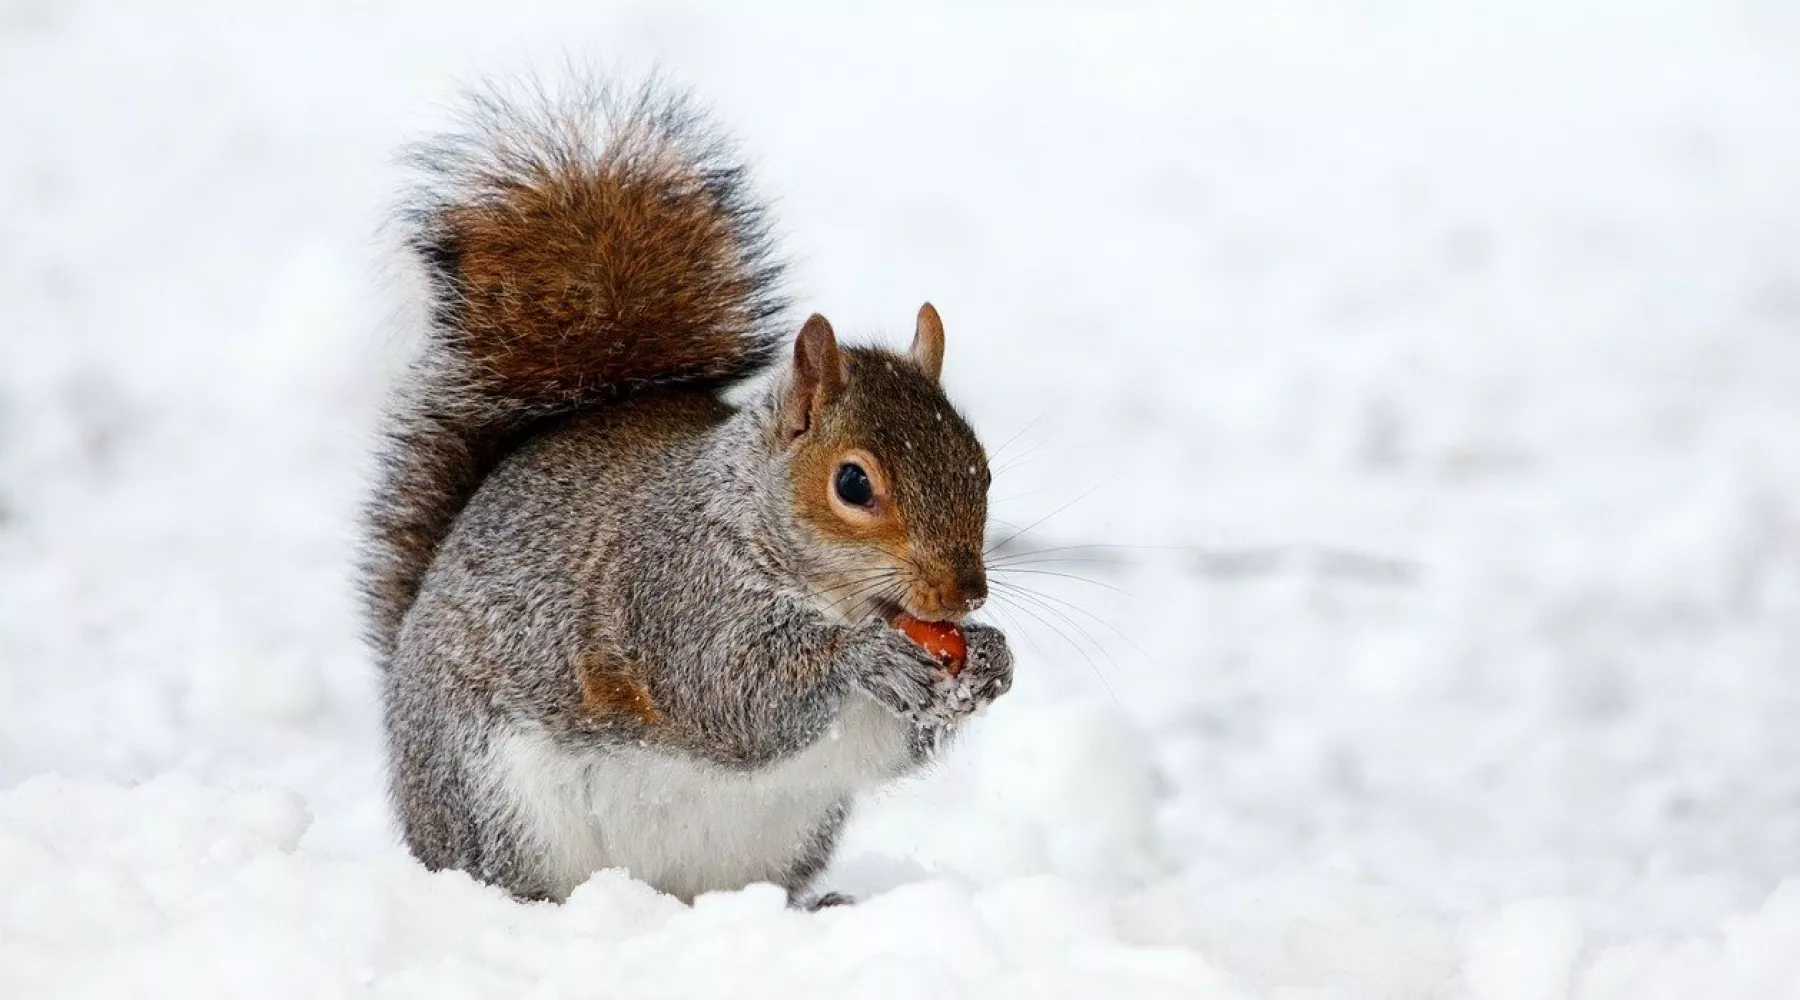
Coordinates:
[997,452]
[1028,571]
[1061,615]
[1021,459]
[1002,595]
[1082,546]
[1056,561]
[878,586]
[867,588]
[1012,620]
[1094,547]
[1022,494]
[1033,525]
[1072,606]
[847,585]
[879,574]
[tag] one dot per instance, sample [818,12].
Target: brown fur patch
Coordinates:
[583,274]
[611,688]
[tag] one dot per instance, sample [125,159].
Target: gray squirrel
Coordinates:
[623,622]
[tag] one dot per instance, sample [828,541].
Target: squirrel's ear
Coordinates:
[818,376]
[928,342]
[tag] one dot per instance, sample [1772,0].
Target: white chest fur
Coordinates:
[685,826]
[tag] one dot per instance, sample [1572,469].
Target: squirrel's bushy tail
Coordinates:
[575,247]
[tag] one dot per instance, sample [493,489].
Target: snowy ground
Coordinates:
[1442,373]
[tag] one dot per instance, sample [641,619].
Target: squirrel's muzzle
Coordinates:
[950,594]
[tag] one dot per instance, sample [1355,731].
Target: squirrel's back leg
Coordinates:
[814,856]
[438,744]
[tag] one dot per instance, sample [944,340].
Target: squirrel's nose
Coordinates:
[971,587]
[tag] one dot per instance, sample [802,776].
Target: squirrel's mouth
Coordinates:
[927,599]
[888,610]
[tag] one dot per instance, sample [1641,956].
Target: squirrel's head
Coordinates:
[889,483]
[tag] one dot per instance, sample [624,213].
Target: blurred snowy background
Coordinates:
[1430,376]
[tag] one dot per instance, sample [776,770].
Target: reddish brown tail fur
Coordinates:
[577,248]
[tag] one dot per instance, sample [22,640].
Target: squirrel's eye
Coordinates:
[853,486]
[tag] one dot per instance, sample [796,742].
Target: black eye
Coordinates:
[853,486]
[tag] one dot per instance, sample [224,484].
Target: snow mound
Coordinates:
[190,890]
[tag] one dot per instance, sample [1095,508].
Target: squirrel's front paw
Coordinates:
[986,674]
[904,677]
[896,672]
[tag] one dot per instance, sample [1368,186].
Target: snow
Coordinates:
[1431,375]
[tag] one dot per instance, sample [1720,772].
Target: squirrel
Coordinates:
[623,621]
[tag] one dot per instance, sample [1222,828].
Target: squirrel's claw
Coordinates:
[813,904]
[986,675]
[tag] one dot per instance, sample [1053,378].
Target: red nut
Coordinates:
[943,640]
